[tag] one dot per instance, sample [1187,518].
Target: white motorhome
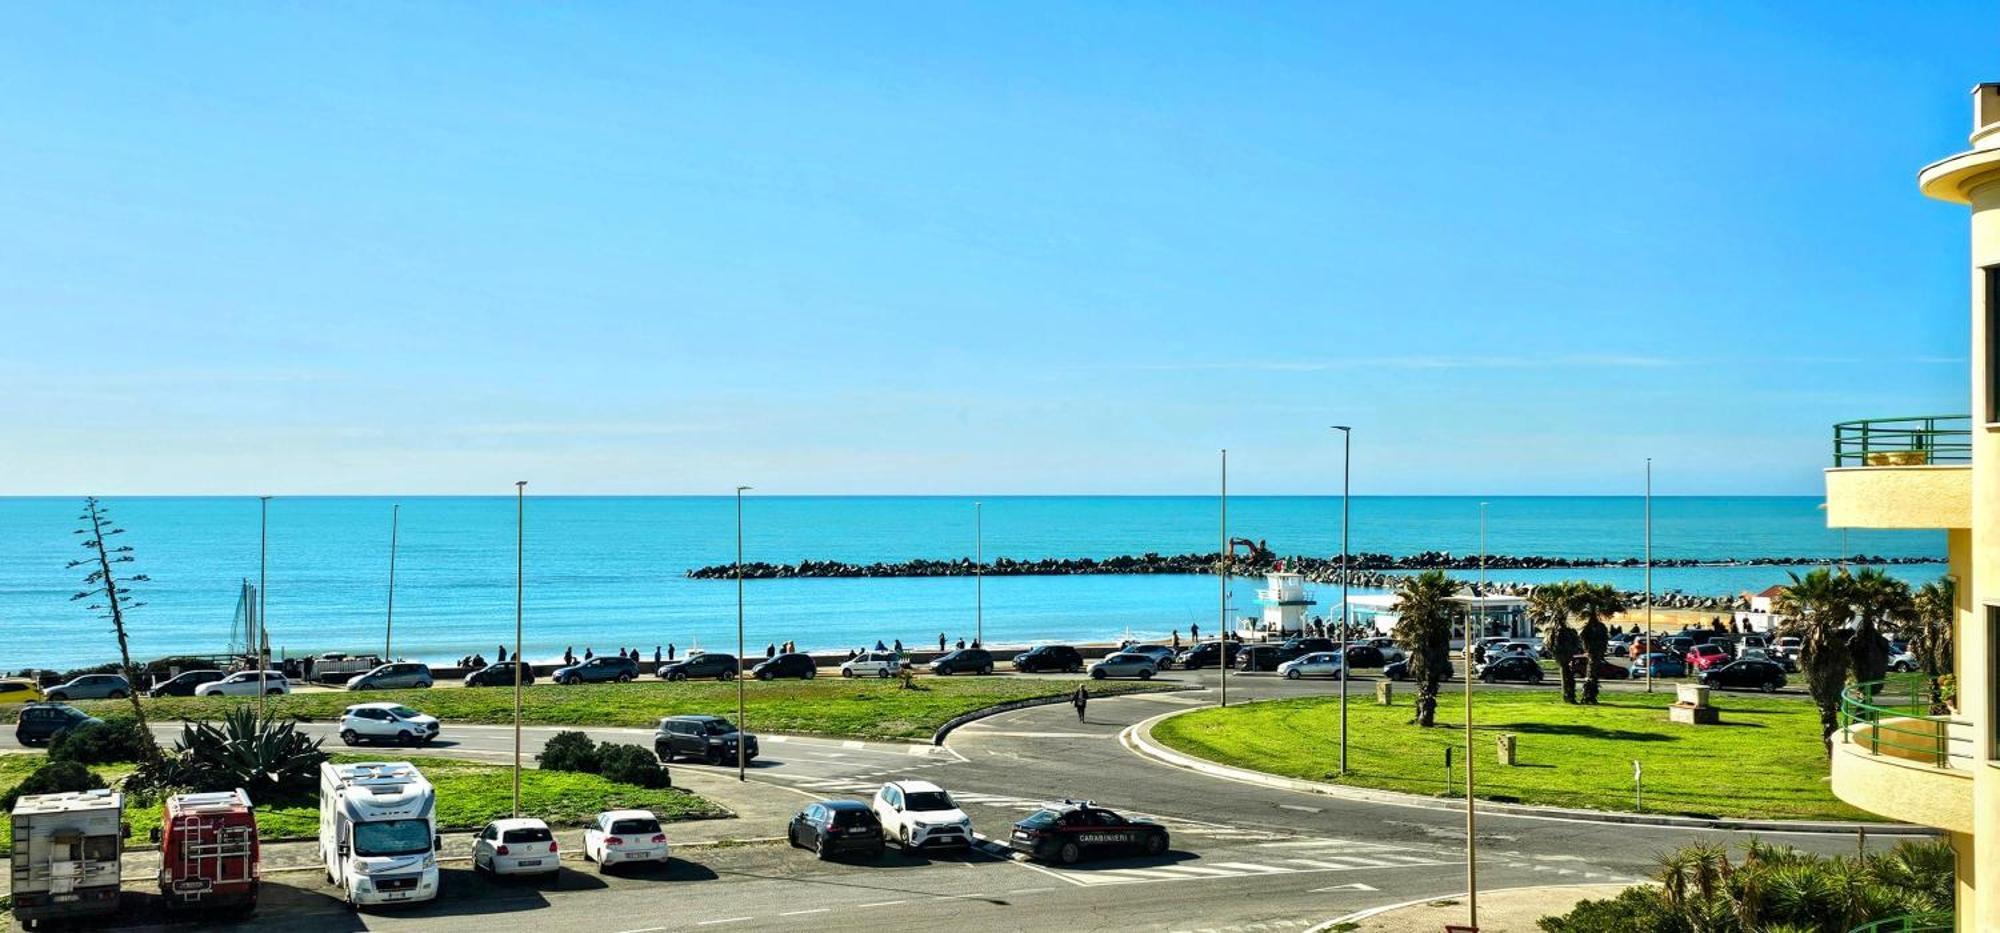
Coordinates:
[378,832]
[67,849]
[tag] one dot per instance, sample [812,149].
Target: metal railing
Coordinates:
[1909,923]
[1915,441]
[1902,724]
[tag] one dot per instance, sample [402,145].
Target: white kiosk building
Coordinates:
[1285,602]
[1502,616]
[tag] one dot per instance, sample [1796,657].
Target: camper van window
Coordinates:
[100,848]
[392,837]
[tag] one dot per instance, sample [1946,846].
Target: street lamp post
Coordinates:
[741,761]
[520,575]
[1644,659]
[978,578]
[389,619]
[263,630]
[1471,836]
[1222,599]
[1346,490]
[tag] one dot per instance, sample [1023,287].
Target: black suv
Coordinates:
[500,675]
[975,660]
[1295,648]
[1259,658]
[786,665]
[712,664]
[183,684]
[598,670]
[40,723]
[710,738]
[1068,831]
[1049,658]
[1203,655]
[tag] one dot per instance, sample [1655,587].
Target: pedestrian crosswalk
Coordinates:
[1287,856]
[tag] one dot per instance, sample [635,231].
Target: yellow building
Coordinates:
[1941,472]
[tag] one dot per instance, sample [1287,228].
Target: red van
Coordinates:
[208,851]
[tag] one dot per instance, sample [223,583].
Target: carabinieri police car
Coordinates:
[1066,832]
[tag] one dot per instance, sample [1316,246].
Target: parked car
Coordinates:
[836,827]
[1606,670]
[621,837]
[1204,654]
[598,670]
[1789,646]
[246,684]
[1300,647]
[872,664]
[1744,675]
[797,665]
[399,675]
[40,723]
[1706,655]
[707,664]
[1365,656]
[1125,664]
[20,690]
[1902,662]
[1163,656]
[964,660]
[184,683]
[1662,664]
[1616,647]
[1760,654]
[92,687]
[711,739]
[500,675]
[1316,664]
[1258,658]
[920,815]
[1400,670]
[516,846]
[386,722]
[1049,658]
[1513,668]
[1391,652]
[1070,831]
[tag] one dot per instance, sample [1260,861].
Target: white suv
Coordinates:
[873,664]
[386,722]
[244,684]
[919,814]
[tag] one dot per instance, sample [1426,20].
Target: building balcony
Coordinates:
[1893,758]
[1901,473]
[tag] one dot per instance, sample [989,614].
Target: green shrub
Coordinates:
[569,751]
[630,764]
[109,742]
[53,778]
[1636,909]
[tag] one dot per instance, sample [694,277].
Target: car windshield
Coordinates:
[717,727]
[403,712]
[384,838]
[928,800]
[530,834]
[635,827]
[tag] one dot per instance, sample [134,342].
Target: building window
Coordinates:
[1992,681]
[1992,349]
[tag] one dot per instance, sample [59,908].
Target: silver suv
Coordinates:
[396,676]
[92,687]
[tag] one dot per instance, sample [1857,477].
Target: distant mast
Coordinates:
[243,626]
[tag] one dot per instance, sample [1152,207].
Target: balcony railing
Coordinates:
[1909,923]
[1917,441]
[1900,725]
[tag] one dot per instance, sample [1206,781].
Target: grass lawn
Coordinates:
[1764,761]
[866,708]
[469,795]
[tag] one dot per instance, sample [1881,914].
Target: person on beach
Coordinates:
[879,646]
[771,650]
[503,655]
[478,661]
[670,651]
[941,642]
[961,644]
[899,646]
[1080,699]
[586,653]
[1194,632]
[656,654]
[1177,639]
[569,655]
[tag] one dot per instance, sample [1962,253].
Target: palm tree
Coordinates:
[1593,602]
[1929,629]
[1423,628]
[1817,608]
[1877,598]
[1548,606]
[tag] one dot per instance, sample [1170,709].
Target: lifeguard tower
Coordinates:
[1285,601]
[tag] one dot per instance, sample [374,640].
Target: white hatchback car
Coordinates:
[386,722]
[621,837]
[519,846]
[919,814]
[244,684]
[873,664]
[1316,664]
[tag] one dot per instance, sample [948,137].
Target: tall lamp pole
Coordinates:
[520,575]
[741,762]
[1346,488]
[1471,837]
[978,578]
[389,620]
[263,630]
[1648,661]
[1222,579]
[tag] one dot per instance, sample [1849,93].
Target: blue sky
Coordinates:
[998,248]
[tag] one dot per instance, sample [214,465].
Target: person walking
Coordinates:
[587,653]
[503,655]
[569,655]
[1194,632]
[1080,699]
[656,654]
[1177,639]
[941,642]
[670,651]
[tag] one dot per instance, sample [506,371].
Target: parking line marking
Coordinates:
[705,923]
[1030,890]
[794,913]
[879,904]
[1299,807]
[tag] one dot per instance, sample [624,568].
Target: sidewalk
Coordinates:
[1511,910]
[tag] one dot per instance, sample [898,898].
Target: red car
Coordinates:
[1703,657]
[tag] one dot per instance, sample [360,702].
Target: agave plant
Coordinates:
[270,759]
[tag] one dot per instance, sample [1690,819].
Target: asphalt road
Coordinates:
[1243,857]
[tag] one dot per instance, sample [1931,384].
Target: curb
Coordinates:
[1138,738]
[943,732]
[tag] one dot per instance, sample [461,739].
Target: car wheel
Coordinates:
[712,757]
[1145,675]
[847,672]
[903,837]
[1097,674]
[120,694]
[624,678]
[364,687]
[676,676]
[1292,674]
[348,737]
[792,836]
[987,669]
[1156,845]
[819,849]
[406,739]
[727,675]
[1069,854]
[942,670]
[763,675]
[1770,687]
[1076,668]
[883,673]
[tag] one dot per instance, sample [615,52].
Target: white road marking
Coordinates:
[795,913]
[1298,807]
[878,904]
[706,923]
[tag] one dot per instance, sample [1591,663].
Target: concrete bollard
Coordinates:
[1507,748]
[1384,692]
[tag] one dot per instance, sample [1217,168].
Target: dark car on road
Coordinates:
[183,683]
[500,675]
[1364,656]
[40,723]
[1049,658]
[602,670]
[1745,675]
[1605,669]
[1513,668]
[710,664]
[1068,832]
[795,664]
[1259,658]
[1400,670]
[711,739]
[836,827]
[1203,655]
[963,661]
[1300,647]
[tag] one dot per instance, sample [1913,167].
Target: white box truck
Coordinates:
[378,832]
[67,849]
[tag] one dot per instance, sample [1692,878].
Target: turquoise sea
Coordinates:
[609,572]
